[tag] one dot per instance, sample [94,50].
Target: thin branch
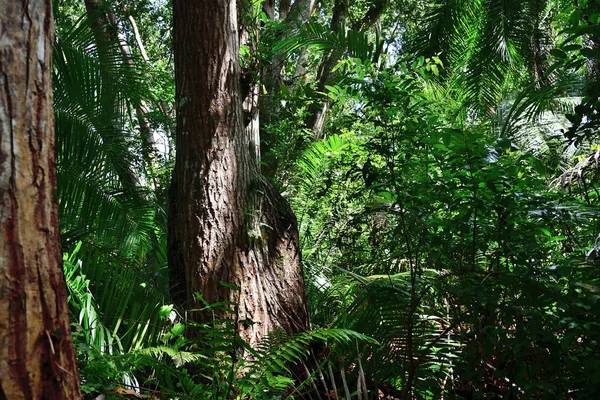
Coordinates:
[138,39]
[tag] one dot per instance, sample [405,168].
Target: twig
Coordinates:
[346,390]
[361,374]
[335,392]
[312,381]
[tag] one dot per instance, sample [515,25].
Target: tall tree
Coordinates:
[37,359]
[226,223]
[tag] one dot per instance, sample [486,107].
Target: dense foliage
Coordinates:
[448,206]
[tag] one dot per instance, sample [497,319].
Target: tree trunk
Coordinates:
[37,360]
[226,223]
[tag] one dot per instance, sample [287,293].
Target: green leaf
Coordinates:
[178,329]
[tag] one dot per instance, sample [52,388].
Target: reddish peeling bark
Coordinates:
[37,360]
[226,223]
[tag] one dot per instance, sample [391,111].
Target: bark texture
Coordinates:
[226,223]
[37,360]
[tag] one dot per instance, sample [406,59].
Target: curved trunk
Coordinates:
[37,359]
[226,223]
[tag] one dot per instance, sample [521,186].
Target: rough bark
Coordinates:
[37,360]
[226,223]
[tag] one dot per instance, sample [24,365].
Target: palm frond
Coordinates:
[534,118]
[487,46]
[102,203]
[344,42]
[381,308]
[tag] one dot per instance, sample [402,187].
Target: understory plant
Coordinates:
[447,244]
[190,361]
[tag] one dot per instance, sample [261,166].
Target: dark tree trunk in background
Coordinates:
[297,14]
[37,360]
[318,112]
[226,223]
[304,9]
[269,85]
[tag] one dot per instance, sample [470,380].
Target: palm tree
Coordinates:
[105,210]
[489,46]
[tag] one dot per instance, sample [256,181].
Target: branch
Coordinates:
[138,39]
